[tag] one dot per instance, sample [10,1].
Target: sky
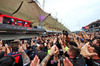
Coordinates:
[73,14]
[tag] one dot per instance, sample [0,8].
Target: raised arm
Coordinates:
[25,57]
[62,45]
[33,47]
[75,40]
[46,59]
[55,58]
[6,46]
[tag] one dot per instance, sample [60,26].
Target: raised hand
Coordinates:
[20,50]
[6,45]
[35,61]
[32,43]
[53,50]
[85,52]
[55,40]
[60,41]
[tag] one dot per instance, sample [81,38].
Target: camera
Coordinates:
[65,32]
[61,61]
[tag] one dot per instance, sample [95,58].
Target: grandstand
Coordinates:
[92,27]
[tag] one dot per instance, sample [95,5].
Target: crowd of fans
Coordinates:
[81,49]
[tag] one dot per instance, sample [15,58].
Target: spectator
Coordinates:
[60,49]
[7,61]
[96,42]
[17,56]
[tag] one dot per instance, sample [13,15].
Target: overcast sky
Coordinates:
[73,14]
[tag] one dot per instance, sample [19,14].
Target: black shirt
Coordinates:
[93,62]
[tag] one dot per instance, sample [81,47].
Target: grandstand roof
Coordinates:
[29,10]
